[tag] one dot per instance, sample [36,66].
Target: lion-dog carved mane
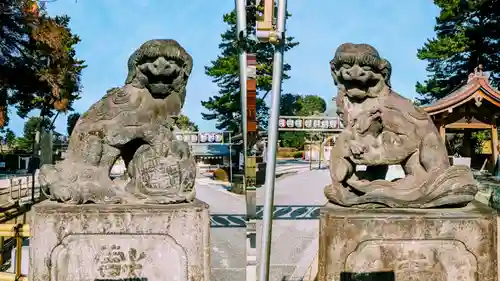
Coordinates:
[134,122]
[382,128]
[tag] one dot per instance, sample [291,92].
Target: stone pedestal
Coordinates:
[408,244]
[120,242]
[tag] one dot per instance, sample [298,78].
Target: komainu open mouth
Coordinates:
[160,85]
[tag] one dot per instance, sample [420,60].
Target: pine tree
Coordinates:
[183,123]
[467,34]
[225,107]
[38,64]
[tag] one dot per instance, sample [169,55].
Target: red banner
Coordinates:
[251,105]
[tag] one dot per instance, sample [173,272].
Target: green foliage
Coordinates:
[10,137]
[23,144]
[225,106]
[467,34]
[301,105]
[220,175]
[183,123]
[290,104]
[71,122]
[479,138]
[298,154]
[293,139]
[312,105]
[38,68]
[32,125]
[297,105]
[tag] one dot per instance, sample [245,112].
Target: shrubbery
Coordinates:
[220,175]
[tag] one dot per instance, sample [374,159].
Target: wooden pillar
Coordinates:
[442,133]
[494,145]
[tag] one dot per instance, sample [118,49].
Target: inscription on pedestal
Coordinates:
[413,260]
[116,262]
[118,257]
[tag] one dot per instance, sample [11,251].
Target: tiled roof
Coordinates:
[477,81]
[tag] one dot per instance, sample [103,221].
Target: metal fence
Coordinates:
[17,202]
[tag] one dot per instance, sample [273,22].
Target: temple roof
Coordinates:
[477,87]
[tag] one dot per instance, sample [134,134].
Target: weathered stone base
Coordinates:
[120,242]
[410,244]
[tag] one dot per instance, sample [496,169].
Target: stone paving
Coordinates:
[295,234]
[228,243]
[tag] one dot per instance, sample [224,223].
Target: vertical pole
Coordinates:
[310,155]
[11,189]
[250,172]
[320,152]
[2,241]
[230,161]
[19,250]
[241,22]
[442,132]
[20,189]
[265,253]
[494,145]
[34,155]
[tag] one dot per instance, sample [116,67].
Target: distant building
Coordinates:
[317,151]
[212,154]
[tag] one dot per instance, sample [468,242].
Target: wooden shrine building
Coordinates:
[473,106]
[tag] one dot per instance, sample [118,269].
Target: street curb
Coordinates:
[223,190]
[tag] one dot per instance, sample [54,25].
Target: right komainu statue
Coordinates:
[382,128]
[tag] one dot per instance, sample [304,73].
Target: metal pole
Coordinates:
[241,29]
[310,155]
[265,253]
[230,161]
[320,151]
[35,150]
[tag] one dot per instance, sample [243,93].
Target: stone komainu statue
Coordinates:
[134,122]
[382,128]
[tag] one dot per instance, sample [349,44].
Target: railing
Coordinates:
[13,226]
[18,189]
[18,232]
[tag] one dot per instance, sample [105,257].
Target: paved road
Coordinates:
[294,241]
[228,244]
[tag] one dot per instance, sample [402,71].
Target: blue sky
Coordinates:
[396,28]
[111,30]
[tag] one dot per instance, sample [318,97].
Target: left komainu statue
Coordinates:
[134,122]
